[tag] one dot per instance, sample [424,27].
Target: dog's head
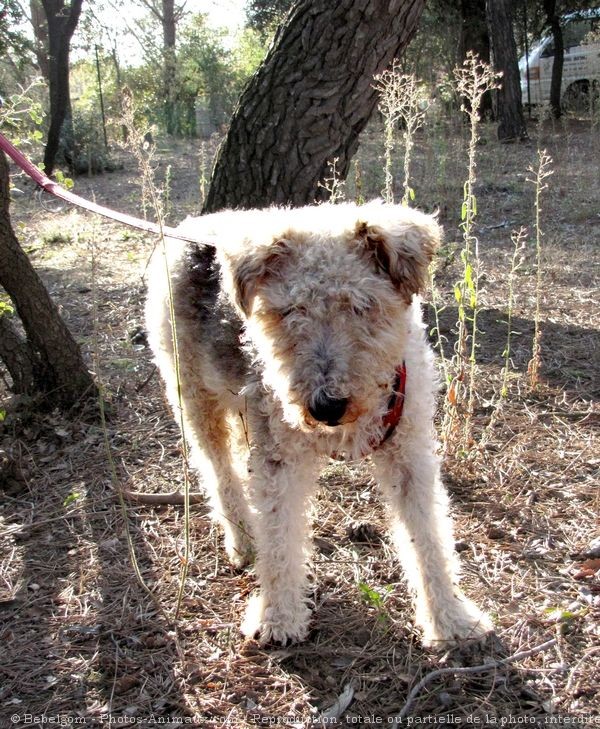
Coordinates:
[327,305]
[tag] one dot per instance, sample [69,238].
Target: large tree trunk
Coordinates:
[511,120]
[59,370]
[559,57]
[62,22]
[17,356]
[309,100]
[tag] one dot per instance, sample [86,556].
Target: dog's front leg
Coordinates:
[422,532]
[281,483]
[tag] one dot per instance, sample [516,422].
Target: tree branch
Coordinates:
[459,671]
[174,498]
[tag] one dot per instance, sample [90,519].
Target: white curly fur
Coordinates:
[326,298]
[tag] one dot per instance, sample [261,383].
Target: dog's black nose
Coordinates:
[328,409]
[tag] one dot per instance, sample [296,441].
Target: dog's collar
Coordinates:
[395,406]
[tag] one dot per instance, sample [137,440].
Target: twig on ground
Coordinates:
[141,386]
[461,670]
[174,498]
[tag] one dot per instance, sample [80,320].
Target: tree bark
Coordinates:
[559,57]
[40,33]
[60,371]
[62,22]
[309,100]
[18,357]
[511,120]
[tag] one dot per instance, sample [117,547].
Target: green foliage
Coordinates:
[13,43]
[209,71]
[265,15]
[375,598]
[21,115]
[210,74]
[6,308]
[61,178]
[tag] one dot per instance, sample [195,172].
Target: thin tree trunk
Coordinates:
[40,33]
[61,372]
[511,120]
[559,57]
[169,70]
[62,22]
[309,100]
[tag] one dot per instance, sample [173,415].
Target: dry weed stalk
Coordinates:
[473,79]
[334,184]
[114,478]
[203,181]
[359,198]
[519,240]
[400,101]
[537,177]
[143,151]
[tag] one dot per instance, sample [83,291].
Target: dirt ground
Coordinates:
[83,642]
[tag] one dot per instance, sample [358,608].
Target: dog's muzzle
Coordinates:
[327,409]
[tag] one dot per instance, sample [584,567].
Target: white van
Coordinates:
[581,69]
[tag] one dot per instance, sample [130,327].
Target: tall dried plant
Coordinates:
[537,177]
[156,198]
[400,102]
[472,80]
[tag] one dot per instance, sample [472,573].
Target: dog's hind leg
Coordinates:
[212,453]
[422,532]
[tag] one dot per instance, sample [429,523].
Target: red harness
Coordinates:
[395,406]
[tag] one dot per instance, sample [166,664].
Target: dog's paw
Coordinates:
[454,623]
[275,624]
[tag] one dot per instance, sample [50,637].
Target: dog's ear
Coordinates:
[253,269]
[403,249]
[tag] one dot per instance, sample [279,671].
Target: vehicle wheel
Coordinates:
[577,98]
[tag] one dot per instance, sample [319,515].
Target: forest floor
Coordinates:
[84,642]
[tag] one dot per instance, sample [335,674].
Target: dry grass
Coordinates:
[80,637]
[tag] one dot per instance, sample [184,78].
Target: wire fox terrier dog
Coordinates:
[299,335]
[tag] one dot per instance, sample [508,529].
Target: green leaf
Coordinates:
[469,277]
[2,416]
[370,596]
[66,182]
[71,498]
[560,614]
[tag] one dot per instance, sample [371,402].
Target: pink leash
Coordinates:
[55,189]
